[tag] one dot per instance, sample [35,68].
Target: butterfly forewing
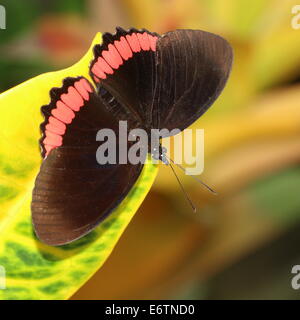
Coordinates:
[73,192]
[192,69]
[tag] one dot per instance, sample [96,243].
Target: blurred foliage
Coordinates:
[252,150]
[22,15]
[19,70]
[23,42]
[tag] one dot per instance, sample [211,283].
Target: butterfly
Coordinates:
[150,81]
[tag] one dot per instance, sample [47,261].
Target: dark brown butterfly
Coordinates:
[151,81]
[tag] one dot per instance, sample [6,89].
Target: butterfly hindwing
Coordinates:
[125,65]
[73,192]
[167,81]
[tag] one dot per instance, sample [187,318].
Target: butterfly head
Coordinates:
[160,154]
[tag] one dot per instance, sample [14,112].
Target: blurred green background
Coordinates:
[243,242]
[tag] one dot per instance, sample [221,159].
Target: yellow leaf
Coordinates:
[33,269]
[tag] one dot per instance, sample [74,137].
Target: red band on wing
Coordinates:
[144,41]
[53,139]
[124,48]
[64,113]
[54,129]
[104,66]
[72,99]
[96,79]
[153,40]
[111,58]
[57,124]
[121,50]
[79,86]
[86,85]
[98,71]
[134,42]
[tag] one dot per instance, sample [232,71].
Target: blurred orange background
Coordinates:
[243,242]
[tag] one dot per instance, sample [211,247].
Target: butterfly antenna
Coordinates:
[195,178]
[183,190]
